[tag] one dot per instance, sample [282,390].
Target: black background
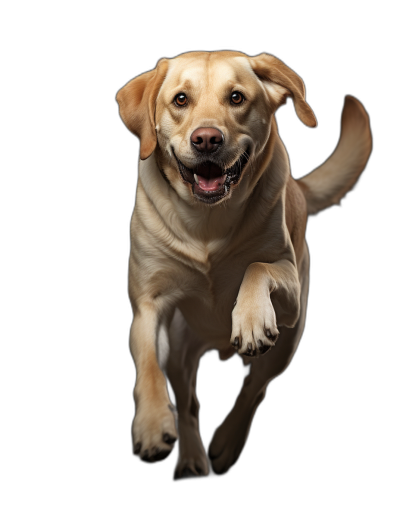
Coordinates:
[316,431]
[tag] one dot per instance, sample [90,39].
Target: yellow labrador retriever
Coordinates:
[218,252]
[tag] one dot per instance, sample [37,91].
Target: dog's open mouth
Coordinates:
[210,181]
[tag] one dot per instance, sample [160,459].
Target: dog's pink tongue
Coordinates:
[209,178]
[209,185]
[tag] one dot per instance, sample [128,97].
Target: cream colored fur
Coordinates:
[327,185]
[231,276]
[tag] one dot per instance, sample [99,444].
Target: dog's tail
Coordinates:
[327,184]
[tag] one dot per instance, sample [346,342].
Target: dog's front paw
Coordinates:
[154,432]
[254,329]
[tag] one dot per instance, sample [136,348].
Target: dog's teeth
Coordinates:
[195,178]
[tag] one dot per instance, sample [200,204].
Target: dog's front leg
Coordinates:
[153,430]
[269,296]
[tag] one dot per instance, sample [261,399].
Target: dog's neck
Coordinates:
[206,223]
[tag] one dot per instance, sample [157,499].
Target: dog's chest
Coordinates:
[214,286]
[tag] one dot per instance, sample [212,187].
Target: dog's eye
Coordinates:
[237,98]
[180,99]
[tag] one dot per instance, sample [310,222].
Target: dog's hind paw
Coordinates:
[227,444]
[191,468]
[192,461]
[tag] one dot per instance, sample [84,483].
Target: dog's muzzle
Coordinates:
[210,181]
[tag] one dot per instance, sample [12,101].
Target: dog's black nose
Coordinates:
[207,139]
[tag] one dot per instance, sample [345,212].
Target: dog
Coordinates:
[218,254]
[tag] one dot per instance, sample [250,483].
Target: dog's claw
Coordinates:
[159,454]
[272,337]
[199,470]
[156,454]
[136,448]
[169,439]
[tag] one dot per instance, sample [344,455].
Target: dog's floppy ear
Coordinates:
[137,105]
[280,81]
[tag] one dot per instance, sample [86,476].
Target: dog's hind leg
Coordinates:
[229,439]
[185,352]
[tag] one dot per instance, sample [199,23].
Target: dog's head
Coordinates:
[208,116]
